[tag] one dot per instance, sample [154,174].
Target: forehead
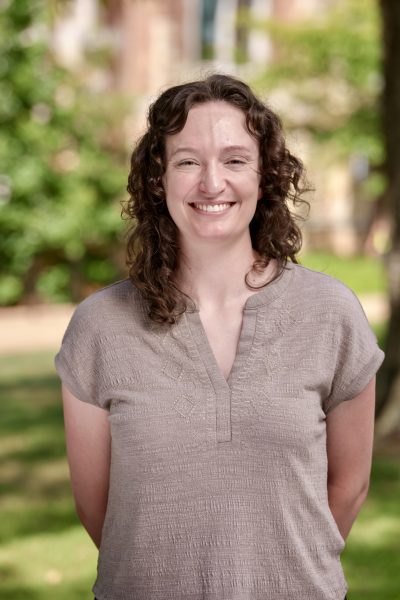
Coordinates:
[213,123]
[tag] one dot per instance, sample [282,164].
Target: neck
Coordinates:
[214,277]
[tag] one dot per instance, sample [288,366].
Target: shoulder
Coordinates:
[115,293]
[116,302]
[323,293]
[313,282]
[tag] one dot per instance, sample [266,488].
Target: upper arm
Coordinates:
[350,433]
[88,443]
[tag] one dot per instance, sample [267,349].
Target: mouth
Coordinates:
[211,208]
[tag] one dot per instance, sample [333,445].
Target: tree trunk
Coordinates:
[388,385]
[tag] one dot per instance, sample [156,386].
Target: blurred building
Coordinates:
[157,43]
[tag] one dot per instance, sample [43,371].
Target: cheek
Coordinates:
[167,181]
[252,188]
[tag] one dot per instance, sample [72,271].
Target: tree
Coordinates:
[329,69]
[388,389]
[63,168]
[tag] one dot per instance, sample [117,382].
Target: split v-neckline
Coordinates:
[251,329]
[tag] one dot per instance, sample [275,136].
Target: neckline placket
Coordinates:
[224,388]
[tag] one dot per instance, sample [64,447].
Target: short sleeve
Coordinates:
[357,356]
[79,361]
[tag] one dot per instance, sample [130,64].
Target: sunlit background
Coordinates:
[77,77]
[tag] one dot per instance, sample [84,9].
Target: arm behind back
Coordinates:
[350,435]
[88,444]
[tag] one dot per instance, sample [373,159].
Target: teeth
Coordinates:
[212,207]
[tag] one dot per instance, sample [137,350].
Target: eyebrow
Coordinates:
[225,149]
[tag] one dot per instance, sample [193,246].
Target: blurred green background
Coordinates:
[65,136]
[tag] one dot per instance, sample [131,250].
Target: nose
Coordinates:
[212,181]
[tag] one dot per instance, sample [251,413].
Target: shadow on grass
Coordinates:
[37,519]
[371,559]
[35,488]
[75,591]
[18,592]
[31,402]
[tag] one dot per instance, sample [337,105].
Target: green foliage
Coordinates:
[11,289]
[53,282]
[330,66]
[63,166]
[341,42]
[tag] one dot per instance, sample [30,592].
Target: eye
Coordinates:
[236,162]
[188,162]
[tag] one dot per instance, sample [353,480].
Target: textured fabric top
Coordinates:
[218,488]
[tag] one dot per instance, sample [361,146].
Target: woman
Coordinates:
[219,403]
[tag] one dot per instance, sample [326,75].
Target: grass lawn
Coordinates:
[363,274]
[44,552]
[46,555]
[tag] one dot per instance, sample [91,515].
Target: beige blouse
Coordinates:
[218,489]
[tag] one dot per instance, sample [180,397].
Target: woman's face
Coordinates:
[212,181]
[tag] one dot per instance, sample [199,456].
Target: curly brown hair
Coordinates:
[153,245]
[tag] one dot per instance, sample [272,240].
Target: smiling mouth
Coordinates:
[212,208]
